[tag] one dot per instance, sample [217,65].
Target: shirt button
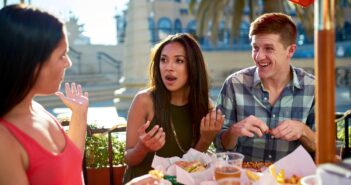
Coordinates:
[265,98]
[273,115]
[270,156]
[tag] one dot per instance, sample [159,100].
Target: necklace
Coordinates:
[176,138]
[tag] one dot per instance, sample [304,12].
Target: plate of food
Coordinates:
[256,166]
[192,168]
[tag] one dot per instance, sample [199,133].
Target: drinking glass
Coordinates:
[229,181]
[227,165]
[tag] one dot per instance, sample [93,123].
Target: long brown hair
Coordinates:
[28,38]
[198,99]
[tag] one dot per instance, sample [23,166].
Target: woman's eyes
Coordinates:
[180,61]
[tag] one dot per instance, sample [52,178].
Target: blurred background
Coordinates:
[110,42]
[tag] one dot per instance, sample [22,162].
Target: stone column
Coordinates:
[136,54]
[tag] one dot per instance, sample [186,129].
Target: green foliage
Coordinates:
[340,131]
[211,148]
[97,151]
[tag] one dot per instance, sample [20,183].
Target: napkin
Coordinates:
[298,162]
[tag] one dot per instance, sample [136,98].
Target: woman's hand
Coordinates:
[211,124]
[152,140]
[78,103]
[75,99]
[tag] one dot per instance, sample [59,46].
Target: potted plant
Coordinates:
[97,159]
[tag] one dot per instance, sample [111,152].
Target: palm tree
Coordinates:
[211,12]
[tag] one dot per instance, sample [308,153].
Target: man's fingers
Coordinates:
[280,131]
[256,130]
[247,133]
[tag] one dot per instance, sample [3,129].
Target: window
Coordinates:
[177,26]
[164,26]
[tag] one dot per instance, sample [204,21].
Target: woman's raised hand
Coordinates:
[75,99]
[152,140]
[211,124]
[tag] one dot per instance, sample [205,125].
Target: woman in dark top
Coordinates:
[174,114]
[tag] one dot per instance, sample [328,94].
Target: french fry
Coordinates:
[280,177]
[156,174]
[272,171]
[252,175]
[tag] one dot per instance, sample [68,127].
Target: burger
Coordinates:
[191,166]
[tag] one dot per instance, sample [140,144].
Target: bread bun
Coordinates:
[191,166]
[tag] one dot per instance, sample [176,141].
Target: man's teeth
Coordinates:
[264,64]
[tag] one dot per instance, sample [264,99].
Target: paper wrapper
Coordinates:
[299,163]
[147,179]
[167,165]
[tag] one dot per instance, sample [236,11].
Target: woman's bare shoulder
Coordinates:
[143,97]
[142,105]
[8,142]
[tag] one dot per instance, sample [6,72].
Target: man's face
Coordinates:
[270,56]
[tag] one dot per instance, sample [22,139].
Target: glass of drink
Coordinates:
[229,181]
[227,165]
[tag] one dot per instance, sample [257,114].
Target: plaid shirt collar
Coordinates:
[257,83]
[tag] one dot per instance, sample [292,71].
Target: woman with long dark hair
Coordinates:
[174,114]
[33,59]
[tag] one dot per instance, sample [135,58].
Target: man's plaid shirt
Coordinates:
[243,95]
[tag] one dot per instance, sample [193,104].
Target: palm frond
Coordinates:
[203,17]
[252,10]
[305,15]
[238,10]
[273,6]
[210,12]
[339,15]
[192,4]
[217,16]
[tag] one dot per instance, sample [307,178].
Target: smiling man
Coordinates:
[268,108]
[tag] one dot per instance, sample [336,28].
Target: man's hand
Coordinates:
[152,140]
[249,127]
[289,130]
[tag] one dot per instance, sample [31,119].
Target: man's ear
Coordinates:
[292,49]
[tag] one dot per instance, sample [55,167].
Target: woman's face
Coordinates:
[53,70]
[173,67]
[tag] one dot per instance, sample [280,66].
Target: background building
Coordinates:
[145,22]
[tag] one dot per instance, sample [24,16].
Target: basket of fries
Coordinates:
[282,179]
